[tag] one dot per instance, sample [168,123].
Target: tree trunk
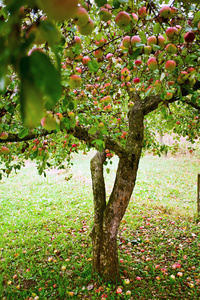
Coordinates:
[107,216]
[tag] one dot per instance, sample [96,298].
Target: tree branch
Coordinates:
[152,102]
[194,105]
[79,132]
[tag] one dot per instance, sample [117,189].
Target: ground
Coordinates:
[45,224]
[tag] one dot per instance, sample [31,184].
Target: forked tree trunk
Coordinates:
[107,216]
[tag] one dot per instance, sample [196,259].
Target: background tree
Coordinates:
[97,75]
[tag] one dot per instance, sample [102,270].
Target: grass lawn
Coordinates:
[45,249]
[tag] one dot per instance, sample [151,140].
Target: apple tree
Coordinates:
[97,74]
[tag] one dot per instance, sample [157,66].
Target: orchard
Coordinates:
[100,74]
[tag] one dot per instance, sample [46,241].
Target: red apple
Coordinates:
[126,41]
[170,65]
[161,41]
[122,19]
[101,42]
[152,40]
[189,37]
[134,40]
[184,75]
[4,136]
[4,150]
[71,114]
[125,72]
[98,53]
[135,17]
[147,49]
[152,63]
[138,62]
[165,12]
[171,32]
[105,13]
[85,60]
[81,17]
[49,121]
[142,12]
[87,29]
[171,49]
[136,80]
[109,55]
[168,96]
[75,81]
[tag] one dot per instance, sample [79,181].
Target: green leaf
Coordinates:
[156,28]
[45,78]
[100,3]
[156,47]
[162,76]
[93,66]
[2,84]
[49,32]
[31,104]
[142,35]
[140,45]
[135,54]
[100,144]
[24,132]
[116,4]
[93,130]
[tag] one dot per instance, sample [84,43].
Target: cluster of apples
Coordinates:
[59,11]
[109,154]
[85,25]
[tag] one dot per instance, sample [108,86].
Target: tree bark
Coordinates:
[107,216]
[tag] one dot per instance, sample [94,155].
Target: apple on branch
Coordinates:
[87,29]
[152,63]
[170,65]
[59,10]
[134,40]
[81,17]
[105,13]
[122,19]
[75,81]
[142,12]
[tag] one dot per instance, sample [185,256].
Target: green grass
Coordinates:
[45,249]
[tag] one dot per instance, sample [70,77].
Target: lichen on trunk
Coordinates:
[107,216]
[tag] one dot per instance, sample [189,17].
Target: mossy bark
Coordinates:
[107,216]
